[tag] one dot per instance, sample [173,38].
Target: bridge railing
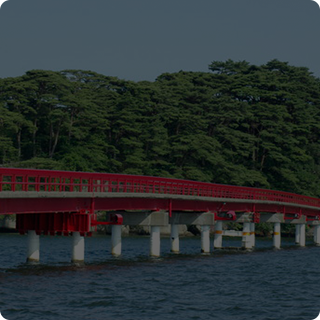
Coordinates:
[30,180]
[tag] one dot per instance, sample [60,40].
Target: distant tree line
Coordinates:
[238,124]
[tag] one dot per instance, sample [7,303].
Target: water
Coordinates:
[265,284]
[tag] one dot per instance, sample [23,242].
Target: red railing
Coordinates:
[29,180]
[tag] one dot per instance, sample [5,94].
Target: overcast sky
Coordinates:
[141,39]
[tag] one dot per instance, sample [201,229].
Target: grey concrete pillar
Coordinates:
[218,234]
[253,234]
[302,241]
[277,235]
[78,247]
[246,239]
[155,241]
[33,254]
[205,239]
[116,240]
[297,234]
[175,238]
[316,235]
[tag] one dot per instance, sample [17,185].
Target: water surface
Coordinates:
[264,284]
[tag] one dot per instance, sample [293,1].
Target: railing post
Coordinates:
[13,182]
[36,182]
[23,186]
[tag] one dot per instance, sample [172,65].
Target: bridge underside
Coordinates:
[44,203]
[57,213]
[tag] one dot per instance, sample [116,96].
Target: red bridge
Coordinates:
[60,202]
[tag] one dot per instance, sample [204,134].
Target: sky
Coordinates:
[141,39]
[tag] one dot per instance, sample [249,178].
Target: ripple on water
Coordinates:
[232,284]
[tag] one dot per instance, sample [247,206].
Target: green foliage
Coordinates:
[264,228]
[40,163]
[238,124]
[290,229]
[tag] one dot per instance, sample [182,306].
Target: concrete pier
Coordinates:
[116,240]
[155,241]
[297,234]
[218,233]
[174,238]
[246,239]
[253,234]
[78,247]
[316,235]
[33,254]
[302,240]
[205,239]
[277,235]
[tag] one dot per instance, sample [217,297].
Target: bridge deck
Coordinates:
[28,190]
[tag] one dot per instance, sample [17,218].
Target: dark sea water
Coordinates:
[264,284]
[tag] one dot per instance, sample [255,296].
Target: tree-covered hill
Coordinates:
[236,124]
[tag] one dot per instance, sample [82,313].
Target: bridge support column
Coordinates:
[217,242]
[297,234]
[205,239]
[78,247]
[155,241]
[175,238]
[253,234]
[33,254]
[246,238]
[316,235]
[277,235]
[302,240]
[116,240]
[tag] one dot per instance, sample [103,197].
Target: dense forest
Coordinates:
[238,124]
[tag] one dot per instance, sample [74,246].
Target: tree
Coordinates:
[237,124]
